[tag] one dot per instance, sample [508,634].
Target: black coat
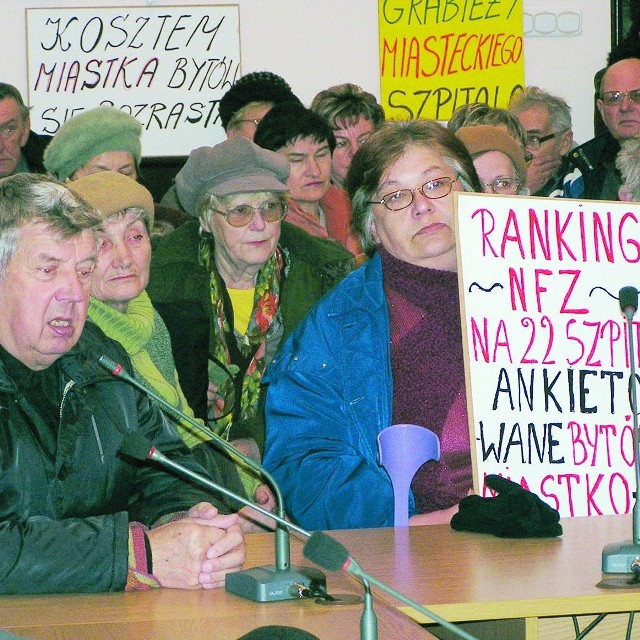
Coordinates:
[33,151]
[64,518]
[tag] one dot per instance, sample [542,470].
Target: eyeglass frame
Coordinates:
[493,189]
[624,94]
[539,140]
[419,188]
[225,214]
[256,121]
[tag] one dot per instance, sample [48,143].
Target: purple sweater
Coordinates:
[428,374]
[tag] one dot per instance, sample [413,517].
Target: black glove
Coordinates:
[513,513]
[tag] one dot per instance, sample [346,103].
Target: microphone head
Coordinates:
[277,632]
[628,297]
[136,446]
[325,551]
[109,364]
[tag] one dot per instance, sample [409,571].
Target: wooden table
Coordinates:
[470,577]
[459,576]
[166,614]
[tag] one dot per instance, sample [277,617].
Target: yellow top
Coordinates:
[242,303]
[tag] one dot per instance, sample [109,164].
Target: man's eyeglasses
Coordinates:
[242,215]
[9,131]
[401,199]
[503,186]
[615,98]
[534,141]
[255,121]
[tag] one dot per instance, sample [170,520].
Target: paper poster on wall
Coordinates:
[546,346]
[168,66]
[438,56]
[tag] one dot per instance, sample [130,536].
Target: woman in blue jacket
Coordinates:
[383,347]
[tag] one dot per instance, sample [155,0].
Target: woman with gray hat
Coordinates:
[100,139]
[235,281]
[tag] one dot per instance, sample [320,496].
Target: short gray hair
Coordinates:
[29,197]
[138,213]
[559,111]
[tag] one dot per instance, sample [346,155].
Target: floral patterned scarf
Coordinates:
[244,356]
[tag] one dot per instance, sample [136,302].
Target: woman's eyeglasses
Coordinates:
[401,199]
[504,186]
[242,215]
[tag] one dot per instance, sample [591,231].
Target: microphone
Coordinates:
[140,448]
[287,586]
[330,554]
[628,298]
[368,620]
[260,584]
[624,557]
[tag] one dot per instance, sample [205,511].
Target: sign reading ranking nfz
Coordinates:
[167,66]
[546,345]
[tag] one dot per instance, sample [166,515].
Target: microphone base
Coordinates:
[267,584]
[621,557]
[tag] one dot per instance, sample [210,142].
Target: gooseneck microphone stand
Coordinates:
[624,557]
[260,584]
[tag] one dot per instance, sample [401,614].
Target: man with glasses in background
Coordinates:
[547,122]
[20,148]
[592,172]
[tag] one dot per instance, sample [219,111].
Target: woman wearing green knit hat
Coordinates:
[120,306]
[100,139]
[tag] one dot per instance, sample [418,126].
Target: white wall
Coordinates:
[316,43]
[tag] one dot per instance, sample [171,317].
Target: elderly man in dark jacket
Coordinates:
[76,515]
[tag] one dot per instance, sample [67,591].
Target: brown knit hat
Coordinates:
[110,192]
[482,138]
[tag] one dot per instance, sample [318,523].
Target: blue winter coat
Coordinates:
[330,394]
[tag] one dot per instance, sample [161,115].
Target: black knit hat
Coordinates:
[259,86]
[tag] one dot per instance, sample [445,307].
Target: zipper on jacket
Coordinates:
[67,388]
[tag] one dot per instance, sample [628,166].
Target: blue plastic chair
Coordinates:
[403,449]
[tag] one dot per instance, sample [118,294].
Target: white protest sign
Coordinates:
[167,66]
[546,346]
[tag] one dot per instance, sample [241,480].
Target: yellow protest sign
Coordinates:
[436,55]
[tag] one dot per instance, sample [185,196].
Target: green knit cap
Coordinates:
[89,134]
